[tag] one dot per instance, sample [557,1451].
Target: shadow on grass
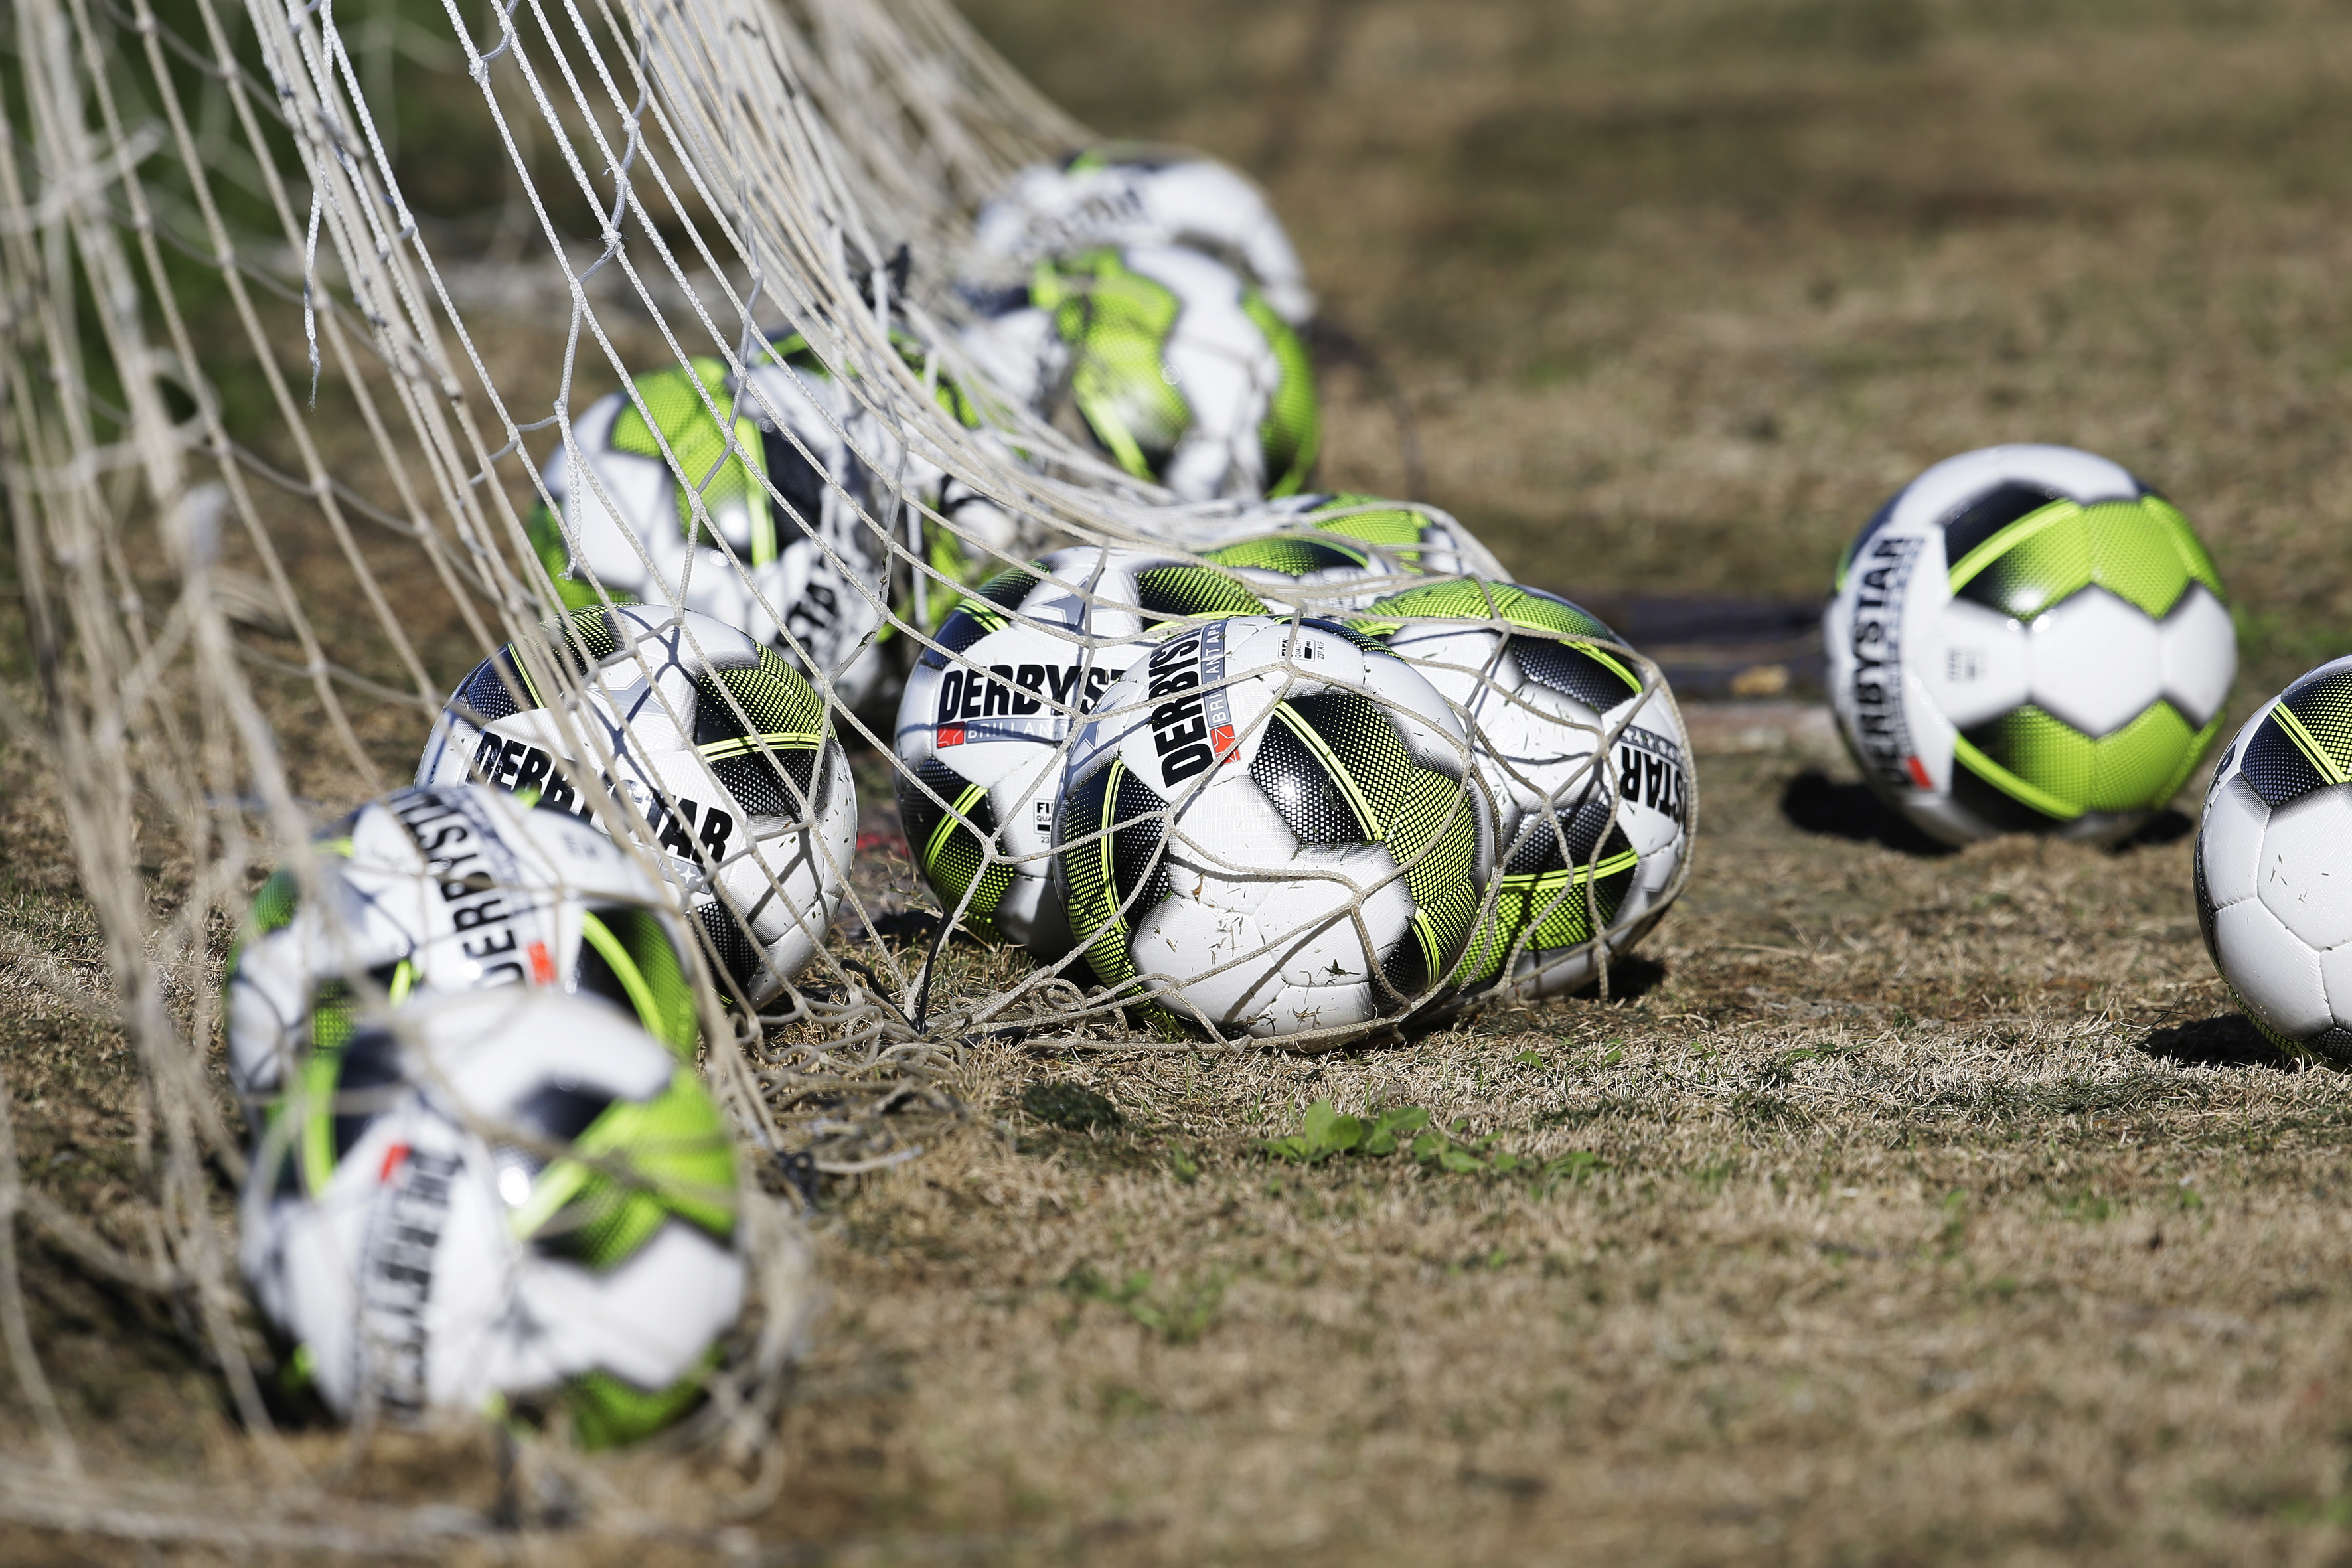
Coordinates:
[1814,802]
[1630,978]
[2224,1040]
[2167,826]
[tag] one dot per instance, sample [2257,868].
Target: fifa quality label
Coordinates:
[1192,720]
[1009,702]
[467,862]
[1881,578]
[685,828]
[405,1229]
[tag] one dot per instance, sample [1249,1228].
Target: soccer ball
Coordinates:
[2028,638]
[1272,828]
[1126,193]
[499,1201]
[440,889]
[1409,536]
[984,714]
[734,779]
[1168,362]
[2274,867]
[799,502]
[1593,796]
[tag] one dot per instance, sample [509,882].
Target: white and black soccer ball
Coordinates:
[1591,778]
[2028,639]
[1168,361]
[718,747]
[1273,828]
[494,1203]
[1126,193]
[2274,877]
[981,725]
[447,888]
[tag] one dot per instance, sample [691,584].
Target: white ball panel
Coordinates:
[2335,974]
[647,1320]
[2096,661]
[1933,736]
[1973,663]
[2275,974]
[2231,842]
[2199,654]
[2305,875]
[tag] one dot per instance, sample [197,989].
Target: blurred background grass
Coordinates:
[1681,290]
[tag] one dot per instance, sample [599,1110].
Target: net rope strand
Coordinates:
[270,438]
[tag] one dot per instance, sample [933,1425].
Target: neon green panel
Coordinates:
[573,593]
[1292,555]
[2134,556]
[1352,515]
[2036,561]
[607,1412]
[1118,321]
[1292,432]
[2137,767]
[729,483]
[2185,543]
[637,1165]
[2057,770]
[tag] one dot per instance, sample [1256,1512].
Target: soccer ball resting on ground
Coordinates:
[2273,875]
[496,1202]
[700,745]
[1591,784]
[1273,829]
[2028,638]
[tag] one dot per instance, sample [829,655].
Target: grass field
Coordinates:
[1902,1206]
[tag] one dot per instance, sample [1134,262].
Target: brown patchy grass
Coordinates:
[1936,1209]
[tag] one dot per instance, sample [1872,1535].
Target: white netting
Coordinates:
[276,441]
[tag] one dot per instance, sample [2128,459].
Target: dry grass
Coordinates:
[1913,1206]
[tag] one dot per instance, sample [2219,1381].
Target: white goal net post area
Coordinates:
[273,436]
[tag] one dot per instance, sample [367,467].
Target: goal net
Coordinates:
[303,431]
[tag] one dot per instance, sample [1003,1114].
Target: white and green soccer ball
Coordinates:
[1168,361]
[709,753]
[795,477]
[497,1203]
[2028,639]
[1127,193]
[981,725]
[1272,828]
[444,889]
[1591,778]
[2274,876]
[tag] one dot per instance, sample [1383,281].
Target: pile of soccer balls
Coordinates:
[1316,766]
